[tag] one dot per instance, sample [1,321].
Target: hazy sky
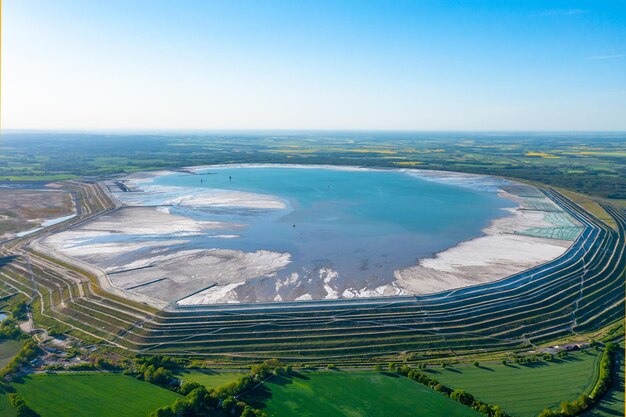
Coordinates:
[425,65]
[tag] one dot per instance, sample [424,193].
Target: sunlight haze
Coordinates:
[323,65]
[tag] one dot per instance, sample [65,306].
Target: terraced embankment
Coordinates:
[583,290]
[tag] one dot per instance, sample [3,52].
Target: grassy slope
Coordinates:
[354,394]
[92,395]
[8,349]
[590,205]
[209,379]
[524,391]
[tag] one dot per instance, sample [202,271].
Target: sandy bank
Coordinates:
[210,275]
[224,198]
[194,197]
[496,255]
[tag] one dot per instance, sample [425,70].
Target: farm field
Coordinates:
[210,379]
[91,394]
[353,394]
[525,390]
[8,349]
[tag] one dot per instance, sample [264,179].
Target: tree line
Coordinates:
[584,403]
[458,395]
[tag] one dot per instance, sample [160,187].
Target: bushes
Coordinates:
[463,397]
[605,379]
[20,310]
[157,376]
[21,408]
[153,369]
[29,351]
[200,402]
[9,330]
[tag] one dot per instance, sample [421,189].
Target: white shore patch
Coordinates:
[304,297]
[147,221]
[327,275]
[217,294]
[496,255]
[159,195]
[223,198]
[383,290]
[204,273]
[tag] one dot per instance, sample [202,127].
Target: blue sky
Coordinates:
[400,65]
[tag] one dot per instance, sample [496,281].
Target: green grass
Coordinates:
[91,395]
[6,409]
[8,349]
[353,394]
[210,379]
[525,390]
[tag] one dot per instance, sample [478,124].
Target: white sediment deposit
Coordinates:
[223,198]
[179,196]
[210,275]
[148,255]
[498,254]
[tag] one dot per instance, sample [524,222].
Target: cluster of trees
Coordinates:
[585,402]
[198,401]
[9,329]
[19,311]
[574,408]
[156,369]
[21,408]
[29,351]
[548,357]
[461,396]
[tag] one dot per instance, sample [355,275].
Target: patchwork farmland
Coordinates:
[581,291]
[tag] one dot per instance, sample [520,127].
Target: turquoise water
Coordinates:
[361,224]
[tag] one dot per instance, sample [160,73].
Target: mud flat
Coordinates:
[24,211]
[210,276]
[144,250]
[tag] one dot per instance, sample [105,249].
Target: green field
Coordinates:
[6,409]
[210,379]
[353,394]
[91,395]
[525,390]
[8,349]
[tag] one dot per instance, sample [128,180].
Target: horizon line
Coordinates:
[140,131]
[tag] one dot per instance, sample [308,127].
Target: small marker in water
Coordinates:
[294,226]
